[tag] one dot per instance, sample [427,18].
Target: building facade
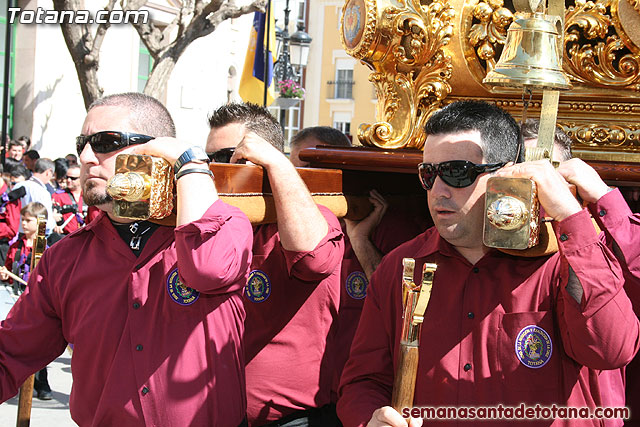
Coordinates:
[340,94]
[46,98]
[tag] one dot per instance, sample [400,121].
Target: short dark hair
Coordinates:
[25,140]
[32,154]
[19,170]
[254,118]
[60,167]
[562,142]
[43,165]
[14,143]
[147,114]
[499,132]
[325,134]
[10,163]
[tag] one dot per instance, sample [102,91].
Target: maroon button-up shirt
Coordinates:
[394,229]
[478,317]
[292,302]
[157,338]
[622,226]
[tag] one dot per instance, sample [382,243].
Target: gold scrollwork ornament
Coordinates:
[402,42]
[597,49]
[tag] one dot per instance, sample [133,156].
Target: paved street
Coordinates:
[44,413]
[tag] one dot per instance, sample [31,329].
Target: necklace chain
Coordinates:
[134,243]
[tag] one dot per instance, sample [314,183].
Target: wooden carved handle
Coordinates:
[24,403]
[26,390]
[405,379]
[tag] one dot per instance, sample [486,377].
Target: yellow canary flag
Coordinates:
[253,75]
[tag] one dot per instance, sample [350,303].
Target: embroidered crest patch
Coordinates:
[258,287]
[533,346]
[357,285]
[178,292]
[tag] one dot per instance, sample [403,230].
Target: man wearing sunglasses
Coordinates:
[68,203]
[153,311]
[293,291]
[499,329]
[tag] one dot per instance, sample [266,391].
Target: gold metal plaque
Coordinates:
[513,213]
[142,187]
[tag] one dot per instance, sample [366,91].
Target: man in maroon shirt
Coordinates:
[365,243]
[621,232]
[156,325]
[293,292]
[499,329]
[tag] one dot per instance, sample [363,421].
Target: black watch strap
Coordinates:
[193,154]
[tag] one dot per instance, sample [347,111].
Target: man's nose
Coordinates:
[87,155]
[440,189]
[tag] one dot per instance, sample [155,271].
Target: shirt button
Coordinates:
[139,347]
[145,390]
[602,212]
[564,237]
[136,305]
[476,269]
[467,367]
[470,315]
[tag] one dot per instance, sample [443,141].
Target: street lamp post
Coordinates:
[300,42]
[283,70]
[292,59]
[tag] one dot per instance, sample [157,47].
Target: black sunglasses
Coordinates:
[455,173]
[223,155]
[109,141]
[72,178]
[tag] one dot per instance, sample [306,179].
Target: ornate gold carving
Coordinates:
[597,49]
[488,23]
[411,68]
[361,46]
[635,4]
[594,51]
[605,137]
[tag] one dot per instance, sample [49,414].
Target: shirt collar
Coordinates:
[102,216]
[434,243]
[34,179]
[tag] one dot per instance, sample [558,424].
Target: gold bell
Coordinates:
[531,55]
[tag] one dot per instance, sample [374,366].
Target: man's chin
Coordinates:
[452,233]
[94,194]
[95,198]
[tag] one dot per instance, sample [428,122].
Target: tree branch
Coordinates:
[229,10]
[81,44]
[101,32]
[152,37]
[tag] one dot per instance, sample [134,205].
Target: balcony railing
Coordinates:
[340,89]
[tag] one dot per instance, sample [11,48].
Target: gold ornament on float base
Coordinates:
[425,55]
